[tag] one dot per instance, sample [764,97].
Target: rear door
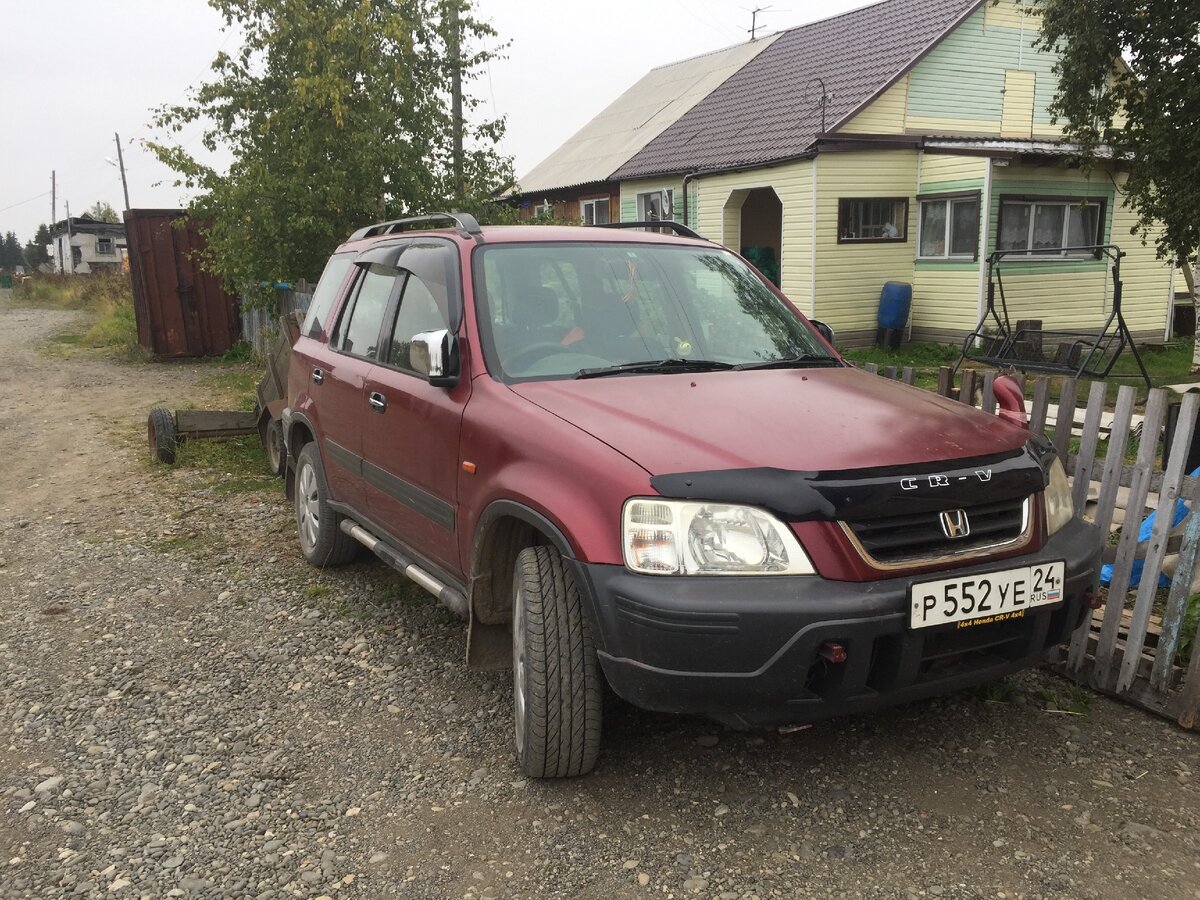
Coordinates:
[344,404]
[411,439]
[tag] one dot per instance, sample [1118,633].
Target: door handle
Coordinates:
[378,401]
[318,376]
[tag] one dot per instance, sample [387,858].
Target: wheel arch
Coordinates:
[299,432]
[505,528]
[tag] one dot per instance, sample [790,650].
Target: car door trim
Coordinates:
[420,501]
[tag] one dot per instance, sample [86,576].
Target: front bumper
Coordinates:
[746,650]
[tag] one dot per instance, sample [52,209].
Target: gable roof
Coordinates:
[769,110]
[638,116]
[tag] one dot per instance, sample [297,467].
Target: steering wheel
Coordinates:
[535,352]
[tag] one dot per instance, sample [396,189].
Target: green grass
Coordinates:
[234,465]
[236,388]
[106,300]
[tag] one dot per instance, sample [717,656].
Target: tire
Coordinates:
[160,431]
[322,542]
[557,686]
[275,449]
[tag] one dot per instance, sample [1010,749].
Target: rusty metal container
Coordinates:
[181,310]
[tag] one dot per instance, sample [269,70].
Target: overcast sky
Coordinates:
[76,71]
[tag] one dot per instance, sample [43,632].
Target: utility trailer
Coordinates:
[166,429]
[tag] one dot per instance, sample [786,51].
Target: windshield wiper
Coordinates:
[655,366]
[803,361]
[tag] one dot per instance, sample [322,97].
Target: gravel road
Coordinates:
[187,710]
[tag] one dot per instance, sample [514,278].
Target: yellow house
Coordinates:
[904,141]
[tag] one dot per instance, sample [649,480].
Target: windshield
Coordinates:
[558,310]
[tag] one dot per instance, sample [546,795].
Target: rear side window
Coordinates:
[323,298]
[359,333]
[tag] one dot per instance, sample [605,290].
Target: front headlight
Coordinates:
[1059,508]
[676,537]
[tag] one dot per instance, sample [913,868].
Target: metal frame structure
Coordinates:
[1080,353]
[464,223]
[678,227]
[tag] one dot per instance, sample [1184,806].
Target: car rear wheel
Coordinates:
[322,542]
[557,685]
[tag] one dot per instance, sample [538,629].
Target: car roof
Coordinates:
[529,234]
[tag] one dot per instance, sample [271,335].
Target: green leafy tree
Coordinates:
[37,251]
[10,251]
[335,114]
[103,212]
[1146,111]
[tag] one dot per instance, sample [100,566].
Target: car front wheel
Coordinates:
[557,685]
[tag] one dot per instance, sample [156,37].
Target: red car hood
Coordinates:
[797,419]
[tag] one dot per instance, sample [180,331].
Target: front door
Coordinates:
[343,401]
[410,442]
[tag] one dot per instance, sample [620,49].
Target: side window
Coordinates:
[430,300]
[360,333]
[419,311]
[325,294]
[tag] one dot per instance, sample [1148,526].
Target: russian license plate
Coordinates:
[976,600]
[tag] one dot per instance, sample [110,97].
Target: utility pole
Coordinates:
[121,165]
[754,20]
[70,253]
[53,198]
[456,110]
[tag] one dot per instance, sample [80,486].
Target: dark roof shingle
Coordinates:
[769,109]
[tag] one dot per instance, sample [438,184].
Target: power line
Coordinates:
[23,202]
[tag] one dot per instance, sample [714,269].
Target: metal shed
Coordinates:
[182,311]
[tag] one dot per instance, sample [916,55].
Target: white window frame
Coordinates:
[666,200]
[545,208]
[1067,204]
[949,200]
[584,205]
[112,247]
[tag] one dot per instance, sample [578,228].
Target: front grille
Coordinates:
[919,538]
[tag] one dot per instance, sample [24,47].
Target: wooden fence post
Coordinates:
[1041,400]
[945,385]
[1127,548]
[1110,482]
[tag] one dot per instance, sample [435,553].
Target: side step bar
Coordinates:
[452,599]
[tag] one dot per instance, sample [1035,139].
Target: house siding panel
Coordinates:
[850,276]
[1078,294]
[946,292]
[885,115]
[959,87]
[793,183]
[1018,104]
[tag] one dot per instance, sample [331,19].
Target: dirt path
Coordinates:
[188,710]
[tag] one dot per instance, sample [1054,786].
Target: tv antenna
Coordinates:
[753,30]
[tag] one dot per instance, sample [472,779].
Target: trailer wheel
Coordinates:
[275,449]
[160,430]
[557,685]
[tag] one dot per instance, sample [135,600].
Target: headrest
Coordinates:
[534,307]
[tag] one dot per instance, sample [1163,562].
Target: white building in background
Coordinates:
[82,246]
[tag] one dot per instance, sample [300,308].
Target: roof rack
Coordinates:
[464,223]
[677,227]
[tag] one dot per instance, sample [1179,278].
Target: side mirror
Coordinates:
[824,330]
[434,354]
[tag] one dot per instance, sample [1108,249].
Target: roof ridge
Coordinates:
[766,37]
[849,12]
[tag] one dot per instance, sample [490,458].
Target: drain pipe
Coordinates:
[687,179]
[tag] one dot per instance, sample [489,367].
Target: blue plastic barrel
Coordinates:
[895,301]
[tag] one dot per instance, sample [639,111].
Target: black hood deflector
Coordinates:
[859,495]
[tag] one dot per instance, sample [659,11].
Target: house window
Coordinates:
[543,209]
[594,212]
[104,246]
[1048,226]
[872,220]
[949,228]
[656,206]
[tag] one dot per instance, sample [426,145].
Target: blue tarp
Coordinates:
[1147,527]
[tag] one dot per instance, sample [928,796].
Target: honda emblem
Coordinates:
[955,523]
